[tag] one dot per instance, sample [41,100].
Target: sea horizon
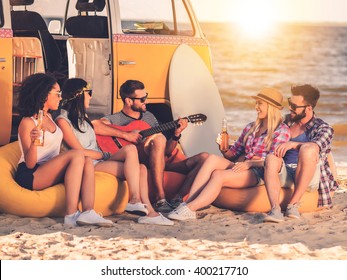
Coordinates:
[292,53]
[313,23]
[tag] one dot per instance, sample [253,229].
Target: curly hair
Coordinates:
[33,93]
[73,102]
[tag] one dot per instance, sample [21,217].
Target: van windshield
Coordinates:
[51,11]
[161,17]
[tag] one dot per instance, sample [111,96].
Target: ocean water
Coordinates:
[290,54]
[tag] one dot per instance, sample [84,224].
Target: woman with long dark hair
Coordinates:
[43,166]
[79,134]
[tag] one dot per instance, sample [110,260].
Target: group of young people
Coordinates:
[270,150]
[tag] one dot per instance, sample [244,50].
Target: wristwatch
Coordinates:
[176,138]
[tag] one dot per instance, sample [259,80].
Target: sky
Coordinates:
[272,10]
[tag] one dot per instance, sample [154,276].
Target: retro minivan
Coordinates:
[105,42]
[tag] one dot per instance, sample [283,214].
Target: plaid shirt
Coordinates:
[255,146]
[319,132]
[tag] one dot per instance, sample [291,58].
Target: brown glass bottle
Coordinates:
[40,140]
[224,145]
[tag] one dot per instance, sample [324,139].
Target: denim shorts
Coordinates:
[25,176]
[259,173]
[287,177]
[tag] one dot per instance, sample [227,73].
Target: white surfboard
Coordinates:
[193,90]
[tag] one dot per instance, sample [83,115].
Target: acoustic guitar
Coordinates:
[113,144]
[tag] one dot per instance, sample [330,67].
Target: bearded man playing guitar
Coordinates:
[155,150]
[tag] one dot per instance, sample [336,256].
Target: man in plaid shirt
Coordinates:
[304,162]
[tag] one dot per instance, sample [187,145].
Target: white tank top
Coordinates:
[51,147]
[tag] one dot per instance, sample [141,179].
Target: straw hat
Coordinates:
[271,96]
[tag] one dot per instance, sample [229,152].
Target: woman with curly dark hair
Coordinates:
[41,167]
[79,134]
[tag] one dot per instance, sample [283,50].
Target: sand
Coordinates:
[217,234]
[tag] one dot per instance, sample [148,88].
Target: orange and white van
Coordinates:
[105,42]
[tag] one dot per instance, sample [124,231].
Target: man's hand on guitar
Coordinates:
[137,130]
[182,124]
[133,136]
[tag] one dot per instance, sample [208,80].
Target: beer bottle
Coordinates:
[40,140]
[224,145]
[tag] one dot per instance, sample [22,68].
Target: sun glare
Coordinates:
[255,18]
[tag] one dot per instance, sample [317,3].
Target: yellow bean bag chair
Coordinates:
[255,199]
[111,194]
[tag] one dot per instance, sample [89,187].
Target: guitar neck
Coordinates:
[159,128]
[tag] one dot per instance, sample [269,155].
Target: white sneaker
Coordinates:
[181,205]
[158,220]
[70,220]
[137,208]
[90,217]
[181,213]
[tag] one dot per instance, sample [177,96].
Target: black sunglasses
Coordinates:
[294,106]
[89,91]
[142,99]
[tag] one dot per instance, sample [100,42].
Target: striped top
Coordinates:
[122,119]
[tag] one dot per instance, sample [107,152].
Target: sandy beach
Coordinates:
[217,234]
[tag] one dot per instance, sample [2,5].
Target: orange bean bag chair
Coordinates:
[255,199]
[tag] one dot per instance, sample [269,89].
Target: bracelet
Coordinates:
[106,155]
[176,138]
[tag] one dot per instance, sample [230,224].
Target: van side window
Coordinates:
[161,17]
[1,15]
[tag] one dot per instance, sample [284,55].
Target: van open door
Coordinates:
[6,76]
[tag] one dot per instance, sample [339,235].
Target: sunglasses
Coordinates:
[57,93]
[89,91]
[294,106]
[142,99]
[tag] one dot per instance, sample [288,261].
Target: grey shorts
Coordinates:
[287,177]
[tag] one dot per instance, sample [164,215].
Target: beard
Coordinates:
[298,117]
[138,109]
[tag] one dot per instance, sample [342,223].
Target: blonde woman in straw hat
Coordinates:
[243,163]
